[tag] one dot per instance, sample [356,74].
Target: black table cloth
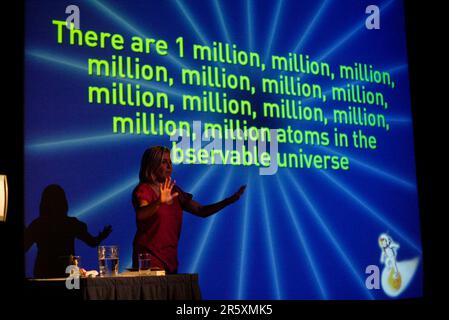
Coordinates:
[169,287]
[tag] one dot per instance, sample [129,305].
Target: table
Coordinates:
[168,287]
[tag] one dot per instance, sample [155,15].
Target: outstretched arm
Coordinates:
[205,211]
[92,241]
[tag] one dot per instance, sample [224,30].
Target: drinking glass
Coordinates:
[108,260]
[144,262]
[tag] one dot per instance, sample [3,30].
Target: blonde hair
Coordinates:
[151,160]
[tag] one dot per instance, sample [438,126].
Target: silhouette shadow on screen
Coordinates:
[54,233]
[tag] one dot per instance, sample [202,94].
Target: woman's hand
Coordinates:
[236,196]
[165,191]
[106,232]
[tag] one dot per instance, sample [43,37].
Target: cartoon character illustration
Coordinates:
[388,256]
[396,275]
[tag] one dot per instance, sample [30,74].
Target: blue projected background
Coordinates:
[298,234]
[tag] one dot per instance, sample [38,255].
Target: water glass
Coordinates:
[108,260]
[144,262]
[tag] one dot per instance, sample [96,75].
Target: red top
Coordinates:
[159,235]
